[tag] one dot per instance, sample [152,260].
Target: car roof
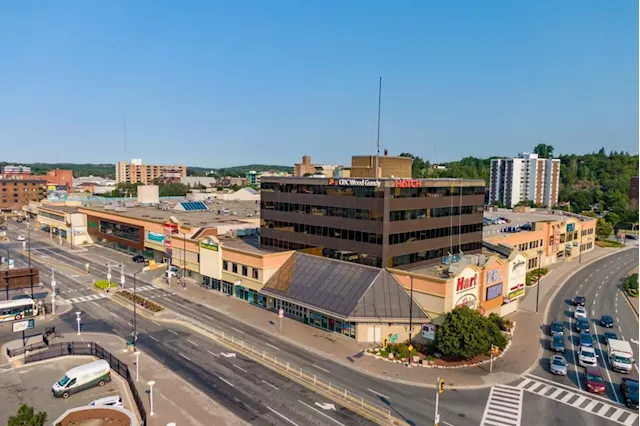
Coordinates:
[107,399]
[556,323]
[593,370]
[558,337]
[558,357]
[579,297]
[587,349]
[631,382]
[607,316]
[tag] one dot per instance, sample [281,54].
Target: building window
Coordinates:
[427,234]
[245,271]
[234,268]
[433,254]
[255,274]
[120,230]
[225,265]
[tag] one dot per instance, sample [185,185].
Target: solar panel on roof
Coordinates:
[193,205]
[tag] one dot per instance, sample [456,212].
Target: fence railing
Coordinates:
[339,394]
[93,349]
[24,349]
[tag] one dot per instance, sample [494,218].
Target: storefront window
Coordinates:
[227,288]
[120,230]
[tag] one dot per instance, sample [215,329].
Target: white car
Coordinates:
[21,238]
[108,401]
[580,312]
[587,356]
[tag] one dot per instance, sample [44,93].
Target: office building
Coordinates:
[376,222]
[59,177]
[136,172]
[306,168]
[633,192]
[14,193]
[526,177]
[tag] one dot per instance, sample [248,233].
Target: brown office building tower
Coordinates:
[398,223]
[14,193]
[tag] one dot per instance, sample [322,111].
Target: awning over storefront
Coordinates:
[346,290]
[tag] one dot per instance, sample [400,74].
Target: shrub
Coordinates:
[631,285]
[102,284]
[141,301]
[467,333]
[400,350]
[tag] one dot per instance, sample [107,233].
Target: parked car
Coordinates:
[108,401]
[587,356]
[3,228]
[21,238]
[558,365]
[557,343]
[578,301]
[606,321]
[507,220]
[582,324]
[586,339]
[138,258]
[609,335]
[629,390]
[557,328]
[593,378]
[580,312]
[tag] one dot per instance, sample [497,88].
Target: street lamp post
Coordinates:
[137,354]
[29,251]
[151,383]
[411,312]
[538,286]
[78,320]
[53,295]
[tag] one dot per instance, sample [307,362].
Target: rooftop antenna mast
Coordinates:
[124,122]
[378,139]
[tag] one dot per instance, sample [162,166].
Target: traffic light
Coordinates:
[495,350]
[385,342]
[441,386]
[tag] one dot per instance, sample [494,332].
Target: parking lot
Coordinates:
[517,219]
[31,385]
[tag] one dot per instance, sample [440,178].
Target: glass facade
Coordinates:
[436,191]
[347,213]
[397,215]
[427,234]
[324,231]
[126,232]
[421,256]
[349,191]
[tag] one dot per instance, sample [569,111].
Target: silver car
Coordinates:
[558,365]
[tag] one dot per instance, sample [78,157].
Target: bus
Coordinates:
[11,310]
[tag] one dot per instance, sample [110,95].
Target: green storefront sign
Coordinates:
[92,224]
[209,246]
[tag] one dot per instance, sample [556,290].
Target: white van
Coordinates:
[108,401]
[83,377]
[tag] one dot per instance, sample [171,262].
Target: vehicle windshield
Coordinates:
[558,361]
[607,318]
[556,327]
[586,354]
[621,360]
[63,382]
[597,379]
[586,337]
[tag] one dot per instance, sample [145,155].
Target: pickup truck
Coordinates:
[620,355]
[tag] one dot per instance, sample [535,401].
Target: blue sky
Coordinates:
[215,84]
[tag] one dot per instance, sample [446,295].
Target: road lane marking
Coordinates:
[171,331]
[320,412]
[575,361]
[181,305]
[269,384]
[239,331]
[596,294]
[286,418]
[207,317]
[156,323]
[604,361]
[216,355]
[192,342]
[323,369]
[184,356]
[229,383]
[379,394]
[153,338]
[239,368]
[504,406]
[274,347]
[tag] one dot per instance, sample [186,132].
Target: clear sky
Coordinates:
[214,84]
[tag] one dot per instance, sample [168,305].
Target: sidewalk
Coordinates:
[174,399]
[522,355]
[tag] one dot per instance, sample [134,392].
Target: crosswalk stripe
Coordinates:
[596,406]
[504,407]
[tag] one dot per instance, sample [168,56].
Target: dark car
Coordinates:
[586,339]
[3,228]
[609,335]
[594,379]
[557,343]
[629,389]
[606,321]
[578,301]
[582,324]
[138,258]
[556,328]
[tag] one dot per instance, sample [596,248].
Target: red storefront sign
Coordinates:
[408,183]
[466,283]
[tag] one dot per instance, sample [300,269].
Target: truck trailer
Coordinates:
[620,356]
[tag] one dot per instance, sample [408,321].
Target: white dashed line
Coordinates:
[269,384]
[171,331]
[192,342]
[229,383]
[239,331]
[216,355]
[323,369]
[240,368]
[596,294]
[153,338]
[274,347]
[379,394]
[184,356]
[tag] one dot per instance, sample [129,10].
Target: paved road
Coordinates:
[457,408]
[599,283]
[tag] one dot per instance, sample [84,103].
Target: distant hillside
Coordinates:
[237,171]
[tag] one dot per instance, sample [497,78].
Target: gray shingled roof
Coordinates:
[348,290]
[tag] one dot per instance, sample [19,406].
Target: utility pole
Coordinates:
[538,286]
[411,312]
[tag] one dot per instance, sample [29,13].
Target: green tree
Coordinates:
[467,333]
[419,167]
[27,416]
[612,218]
[526,203]
[173,190]
[603,229]
[543,150]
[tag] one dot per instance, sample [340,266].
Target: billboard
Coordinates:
[57,192]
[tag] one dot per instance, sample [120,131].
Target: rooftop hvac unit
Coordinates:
[232,233]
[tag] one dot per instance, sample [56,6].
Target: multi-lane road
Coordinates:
[252,391]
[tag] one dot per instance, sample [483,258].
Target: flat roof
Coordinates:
[249,244]
[61,209]
[491,232]
[441,270]
[244,210]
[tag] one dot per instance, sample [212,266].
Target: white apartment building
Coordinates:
[526,177]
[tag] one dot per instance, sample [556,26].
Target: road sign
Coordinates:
[24,325]
[281,313]
[10,263]
[437,419]
[393,338]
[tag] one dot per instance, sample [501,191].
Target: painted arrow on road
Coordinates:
[634,341]
[228,355]
[326,406]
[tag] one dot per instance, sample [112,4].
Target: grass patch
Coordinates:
[532,276]
[102,284]
[631,285]
[608,244]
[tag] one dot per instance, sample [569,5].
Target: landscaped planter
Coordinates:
[141,302]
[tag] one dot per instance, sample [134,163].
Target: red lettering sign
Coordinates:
[466,283]
[408,183]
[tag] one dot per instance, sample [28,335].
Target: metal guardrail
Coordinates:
[93,349]
[338,394]
[20,350]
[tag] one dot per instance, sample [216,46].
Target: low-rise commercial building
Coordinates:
[18,191]
[64,223]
